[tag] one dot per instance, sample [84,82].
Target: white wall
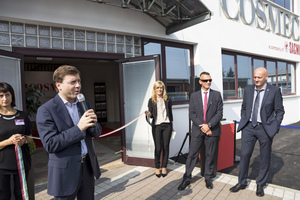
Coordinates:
[181,127]
[81,13]
[221,33]
[209,37]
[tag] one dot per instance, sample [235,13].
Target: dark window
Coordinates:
[238,73]
[176,66]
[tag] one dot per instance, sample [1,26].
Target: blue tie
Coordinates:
[255,109]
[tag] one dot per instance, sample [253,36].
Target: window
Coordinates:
[228,76]
[244,72]
[238,73]
[178,73]
[285,3]
[271,68]
[176,66]
[291,77]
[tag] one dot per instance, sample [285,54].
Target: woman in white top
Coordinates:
[160,109]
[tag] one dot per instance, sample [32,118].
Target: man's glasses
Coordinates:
[208,80]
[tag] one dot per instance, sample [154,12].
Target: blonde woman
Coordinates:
[160,109]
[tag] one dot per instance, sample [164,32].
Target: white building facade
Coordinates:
[240,36]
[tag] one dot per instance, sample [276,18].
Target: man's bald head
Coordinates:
[260,77]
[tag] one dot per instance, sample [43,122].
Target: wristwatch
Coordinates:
[209,125]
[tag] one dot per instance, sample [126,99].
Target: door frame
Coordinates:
[23,51]
[67,53]
[21,57]
[125,159]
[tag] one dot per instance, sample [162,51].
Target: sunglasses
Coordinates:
[208,80]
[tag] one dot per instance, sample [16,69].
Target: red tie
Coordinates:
[205,107]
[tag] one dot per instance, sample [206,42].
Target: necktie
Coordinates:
[255,109]
[205,107]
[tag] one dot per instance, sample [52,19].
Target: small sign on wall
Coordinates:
[43,80]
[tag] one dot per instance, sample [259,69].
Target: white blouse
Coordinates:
[161,112]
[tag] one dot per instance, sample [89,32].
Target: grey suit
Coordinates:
[271,114]
[214,115]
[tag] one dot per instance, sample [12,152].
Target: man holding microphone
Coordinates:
[66,131]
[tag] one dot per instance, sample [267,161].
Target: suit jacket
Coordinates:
[153,110]
[271,112]
[61,139]
[214,112]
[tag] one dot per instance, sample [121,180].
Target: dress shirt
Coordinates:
[262,93]
[74,114]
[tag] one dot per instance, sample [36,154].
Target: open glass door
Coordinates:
[137,76]
[11,72]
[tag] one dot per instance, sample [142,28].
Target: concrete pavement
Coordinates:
[120,181]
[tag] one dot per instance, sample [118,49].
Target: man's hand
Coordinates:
[88,119]
[209,133]
[204,128]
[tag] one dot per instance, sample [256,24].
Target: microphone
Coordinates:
[82,102]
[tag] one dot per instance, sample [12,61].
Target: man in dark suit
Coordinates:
[66,132]
[261,115]
[206,112]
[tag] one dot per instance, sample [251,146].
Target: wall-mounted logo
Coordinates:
[289,47]
[264,15]
[294,48]
[286,46]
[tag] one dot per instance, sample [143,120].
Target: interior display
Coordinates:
[100,101]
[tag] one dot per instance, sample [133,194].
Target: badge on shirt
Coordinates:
[19,122]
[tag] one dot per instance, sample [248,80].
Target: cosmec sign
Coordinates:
[266,16]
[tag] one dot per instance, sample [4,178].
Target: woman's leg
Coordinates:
[157,133]
[17,186]
[5,191]
[166,136]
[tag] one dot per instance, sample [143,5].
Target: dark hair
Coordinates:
[62,71]
[206,73]
[5,87]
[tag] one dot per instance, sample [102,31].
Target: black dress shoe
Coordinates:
[164,175]
[158,175]
[260,191]
[209,184]
[237,187]
[183,185]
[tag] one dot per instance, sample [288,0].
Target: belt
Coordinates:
[258,123]
[84,158]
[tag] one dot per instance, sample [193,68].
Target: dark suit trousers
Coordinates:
[210,149]
[162,135]
[86,186]
[5,183]
[249,137]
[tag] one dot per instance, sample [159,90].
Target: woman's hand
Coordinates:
[17,139]
[147,113]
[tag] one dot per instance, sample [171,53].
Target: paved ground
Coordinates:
[119,181]
[285,159]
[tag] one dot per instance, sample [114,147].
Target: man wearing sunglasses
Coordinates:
[206,112]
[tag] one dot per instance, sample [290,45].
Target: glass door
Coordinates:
[137,76]
[11,72]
